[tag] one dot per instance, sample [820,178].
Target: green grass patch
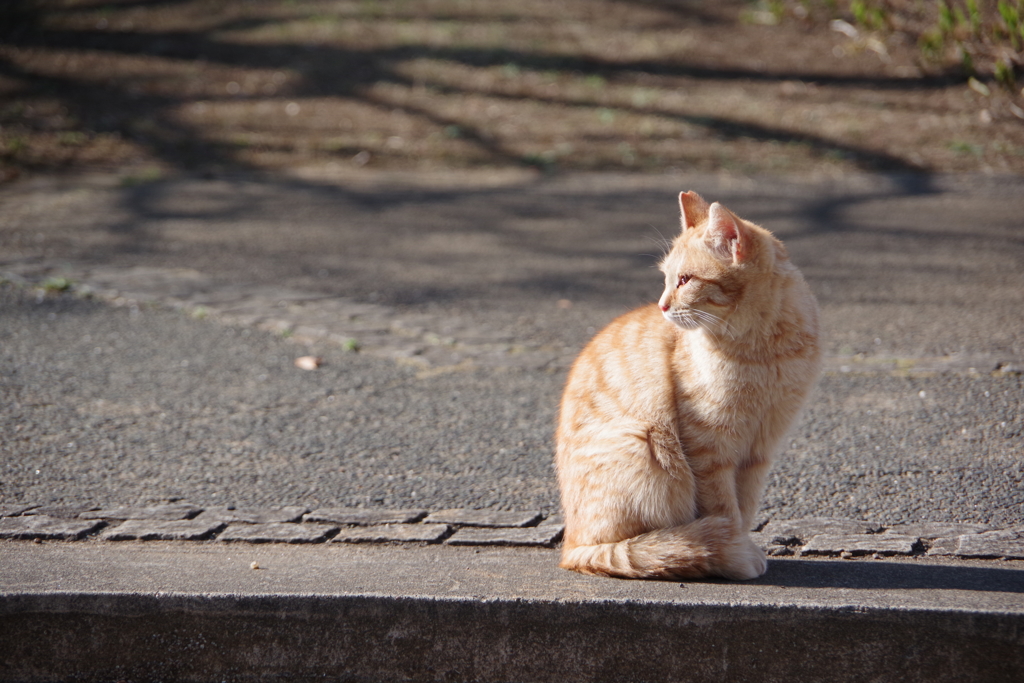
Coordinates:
[53,285]
[961,147]
[142,177]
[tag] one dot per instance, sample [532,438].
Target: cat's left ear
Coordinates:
[724,235]
[693,210]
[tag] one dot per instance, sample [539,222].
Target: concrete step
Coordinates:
[186,611]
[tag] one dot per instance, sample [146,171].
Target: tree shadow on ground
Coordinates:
[599,224]
[113,103]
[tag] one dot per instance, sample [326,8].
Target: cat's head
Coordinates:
[720,271]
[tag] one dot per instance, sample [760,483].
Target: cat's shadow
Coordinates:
[867,574]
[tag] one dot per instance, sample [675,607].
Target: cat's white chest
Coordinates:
[742,407]
[724,395]
[713,379]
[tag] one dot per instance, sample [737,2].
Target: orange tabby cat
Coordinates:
[672,414]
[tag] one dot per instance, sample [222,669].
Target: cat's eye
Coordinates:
[683,279]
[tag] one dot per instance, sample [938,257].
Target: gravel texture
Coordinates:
[119,407]
[108,406]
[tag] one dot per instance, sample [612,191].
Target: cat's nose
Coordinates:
[663,307]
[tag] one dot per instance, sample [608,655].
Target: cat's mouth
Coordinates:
[691,319]
[684,318]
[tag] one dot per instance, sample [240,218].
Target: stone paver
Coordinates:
[943,547]
[62,511]
[1007,543]
[860,544]
[767,544]
[11,510]
[252,516]
[365,517]
[393,533]
[484,518]
[789,531]
[42,527]
[295,524]
[165,513]
[155,530]
[278,532]
[546,536]
[932,530]
[552,520]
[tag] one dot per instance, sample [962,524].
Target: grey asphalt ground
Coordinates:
[921,282]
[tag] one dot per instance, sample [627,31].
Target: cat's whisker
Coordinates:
[684,319]
[691,318]
[714,324]
[662,241]
[708,324]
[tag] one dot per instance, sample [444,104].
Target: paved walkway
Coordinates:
[446,314]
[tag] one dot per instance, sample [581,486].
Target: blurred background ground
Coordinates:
[328,86]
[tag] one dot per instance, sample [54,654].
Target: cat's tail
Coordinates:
[709,546]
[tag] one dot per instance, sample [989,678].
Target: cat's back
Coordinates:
[625,367]
[630,345]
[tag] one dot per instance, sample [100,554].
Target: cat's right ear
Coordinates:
[693,210]
[724,235]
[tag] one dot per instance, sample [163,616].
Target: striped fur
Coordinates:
[672,414]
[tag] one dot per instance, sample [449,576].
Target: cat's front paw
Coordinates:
[744,560]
